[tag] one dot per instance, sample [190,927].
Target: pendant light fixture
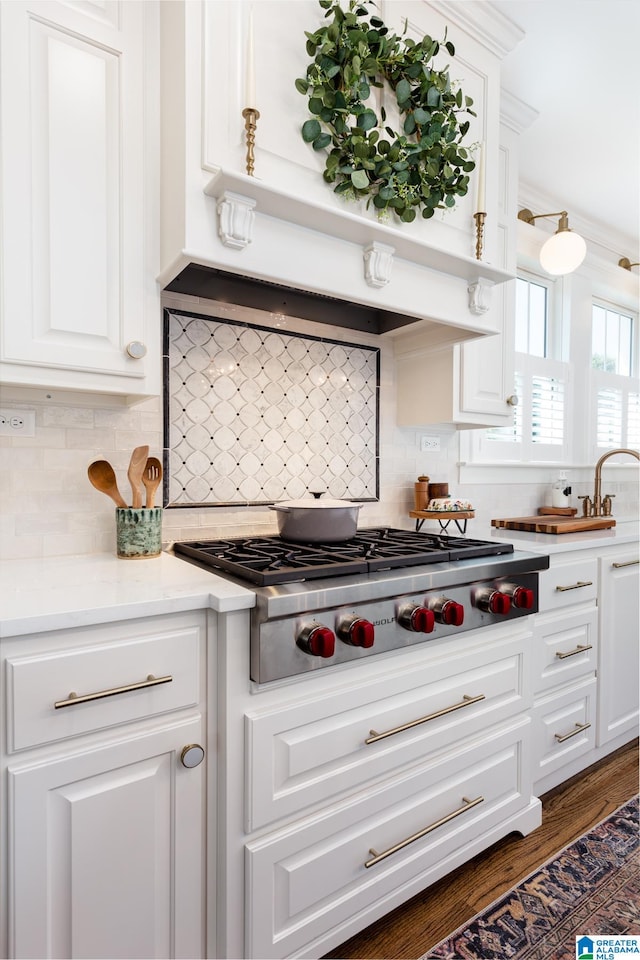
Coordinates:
[626,264]
[565,250]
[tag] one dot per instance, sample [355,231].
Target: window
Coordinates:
[538,430]
[531,317]
[616,402]
[611,341]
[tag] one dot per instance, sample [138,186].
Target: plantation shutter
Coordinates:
[542,386]
[616,411]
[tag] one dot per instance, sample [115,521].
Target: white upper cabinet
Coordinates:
[80,305]
[471,384]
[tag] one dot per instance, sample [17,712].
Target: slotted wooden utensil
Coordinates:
[103,477]
[136,469]
[151,479]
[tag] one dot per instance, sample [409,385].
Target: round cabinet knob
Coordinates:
[356,631]
[513,400]
[317,640]
[192,755]
[136,350]
[417,619]
[521,597]
[448,611]
[493,601]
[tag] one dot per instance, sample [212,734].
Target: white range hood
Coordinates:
[282,240]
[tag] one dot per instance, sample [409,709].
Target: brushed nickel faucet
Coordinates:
[600,507]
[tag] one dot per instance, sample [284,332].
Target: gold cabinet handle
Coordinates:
[377,857]
[579,649]
[74,698]
[561,737]
[465,702]
[576,586]
[627,563]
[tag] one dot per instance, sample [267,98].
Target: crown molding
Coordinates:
[515,113]
[483,22]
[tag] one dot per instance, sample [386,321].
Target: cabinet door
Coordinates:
[78,275]
[618,660]
[106,850]
[487,365]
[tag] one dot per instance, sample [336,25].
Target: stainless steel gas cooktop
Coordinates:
[270,560]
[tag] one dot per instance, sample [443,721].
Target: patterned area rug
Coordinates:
[592,887]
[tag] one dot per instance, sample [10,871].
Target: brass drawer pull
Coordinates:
[377,857]
[579,649]
[627,563]
[465,702]
[567,736]
[576,586]
[73,698]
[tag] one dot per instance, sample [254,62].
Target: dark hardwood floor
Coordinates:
[568,811]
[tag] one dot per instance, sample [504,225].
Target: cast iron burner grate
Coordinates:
[267,561]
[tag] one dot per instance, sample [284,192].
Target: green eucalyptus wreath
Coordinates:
[425,166]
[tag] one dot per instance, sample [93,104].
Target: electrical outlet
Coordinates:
[17,423]
[429,444]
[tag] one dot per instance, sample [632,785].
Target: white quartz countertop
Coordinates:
[62,592]
[624,532]
[57,593]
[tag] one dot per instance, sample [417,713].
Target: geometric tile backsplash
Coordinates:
[253,415]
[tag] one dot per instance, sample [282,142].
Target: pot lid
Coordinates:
[327,504]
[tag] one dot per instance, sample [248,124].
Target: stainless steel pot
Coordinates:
[314,521]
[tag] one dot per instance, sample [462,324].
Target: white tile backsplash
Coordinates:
[257,415]
[49,508]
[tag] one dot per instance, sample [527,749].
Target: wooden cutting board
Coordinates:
[555,525]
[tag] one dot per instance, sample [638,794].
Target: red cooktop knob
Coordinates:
[523,598]
[499,603]
[362,633]
[417,619]
[493,601]
[356,631]
[317,640]
[452,613]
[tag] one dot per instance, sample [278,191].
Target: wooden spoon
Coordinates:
[102,476]
[151,479]
[134,473]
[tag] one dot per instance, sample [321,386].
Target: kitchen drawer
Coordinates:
[564,728]
[565,647]
[108,660]
[315,749]
[566,583]
[303,882]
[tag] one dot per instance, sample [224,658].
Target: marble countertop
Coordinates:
[61,592]
[624,532]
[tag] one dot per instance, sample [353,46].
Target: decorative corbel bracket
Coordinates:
[235,220]
[479,297]
[378,263]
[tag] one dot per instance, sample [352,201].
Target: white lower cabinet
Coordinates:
[106,850]
[104,791]
[586,660]
[619,666]
[565,658]
[366,785]
[396,838]
[564,725]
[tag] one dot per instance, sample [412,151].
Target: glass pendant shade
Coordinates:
[563,253]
